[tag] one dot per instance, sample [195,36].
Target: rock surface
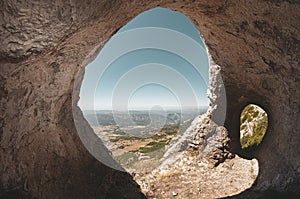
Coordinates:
[250,118]
[43,48]
[203,136]
[195,178]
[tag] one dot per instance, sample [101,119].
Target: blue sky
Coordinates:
[157,59]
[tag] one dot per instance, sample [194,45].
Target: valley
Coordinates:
[138,142]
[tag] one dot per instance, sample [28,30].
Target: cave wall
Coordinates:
[43,49]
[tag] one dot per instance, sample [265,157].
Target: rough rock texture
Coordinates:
[205,137]
[43,46]
[198,178]
[251,116]
[215,142]
[34,26]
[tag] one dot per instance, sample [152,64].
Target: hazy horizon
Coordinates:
[147,109]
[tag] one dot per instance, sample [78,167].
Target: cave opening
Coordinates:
[44,45]
[253,127]
[170,64]
[145,87]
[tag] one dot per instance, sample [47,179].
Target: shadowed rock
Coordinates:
[43,46]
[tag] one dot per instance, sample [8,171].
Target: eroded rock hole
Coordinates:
[253,127]
[145,95]
[145,87]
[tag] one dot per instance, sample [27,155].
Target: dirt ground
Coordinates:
[195,178]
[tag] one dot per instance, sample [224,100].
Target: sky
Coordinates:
[157,60]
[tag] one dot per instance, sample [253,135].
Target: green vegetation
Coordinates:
[248,114]
[259,127]
[243,126]
[124,137]
[159,141]
[139,145]
[153,146]
[119,132]
[170,129]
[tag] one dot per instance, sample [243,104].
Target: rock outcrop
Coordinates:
[203,136]
[43,48]
[251,116]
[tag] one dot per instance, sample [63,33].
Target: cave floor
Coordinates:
[192,177]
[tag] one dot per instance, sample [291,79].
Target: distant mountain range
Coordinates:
[139,117]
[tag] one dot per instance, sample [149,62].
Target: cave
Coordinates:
[44,47]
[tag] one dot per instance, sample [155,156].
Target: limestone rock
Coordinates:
[44,45]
